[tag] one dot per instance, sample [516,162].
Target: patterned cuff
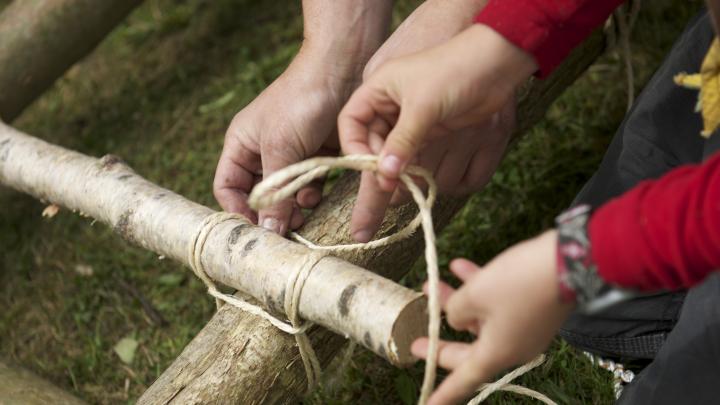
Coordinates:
[577,273]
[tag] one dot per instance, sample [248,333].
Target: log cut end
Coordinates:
[411,324]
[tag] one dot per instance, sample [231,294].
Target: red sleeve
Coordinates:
[547,29]
[663,234]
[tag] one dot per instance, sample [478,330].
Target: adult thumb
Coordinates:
[404,141]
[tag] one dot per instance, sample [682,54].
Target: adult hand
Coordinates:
[294,118]
[510,330]
[418,101]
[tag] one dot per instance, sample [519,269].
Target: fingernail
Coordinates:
[271,224]
[362,236]
[391,164]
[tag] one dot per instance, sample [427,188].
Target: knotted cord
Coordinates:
[293,291]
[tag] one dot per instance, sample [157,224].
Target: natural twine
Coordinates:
[625,18]
[284,184]
[293,289]
[503,384]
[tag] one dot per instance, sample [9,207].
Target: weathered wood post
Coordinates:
[41,39]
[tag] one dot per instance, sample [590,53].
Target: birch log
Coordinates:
[236,359]
[343,297]
[41,39]
[21,387]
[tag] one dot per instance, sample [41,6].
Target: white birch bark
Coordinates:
[375,311]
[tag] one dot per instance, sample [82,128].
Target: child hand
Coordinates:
[513,306]
[431,93]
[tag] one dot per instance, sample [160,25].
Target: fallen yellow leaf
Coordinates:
[688,81]
[708,82]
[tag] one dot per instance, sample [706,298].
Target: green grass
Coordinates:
[160,92]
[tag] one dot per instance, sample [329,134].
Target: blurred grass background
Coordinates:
[160,92]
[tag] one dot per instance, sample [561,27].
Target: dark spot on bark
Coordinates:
[159,196]
[232,239]
[108,161]
[346,298]
[367,340]
[124,177]
[4,150]
[248,247]
[235,235]
[122,226]
[276,306]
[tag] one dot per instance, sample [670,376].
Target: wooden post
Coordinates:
[237,358]
[19,386]
[41,39]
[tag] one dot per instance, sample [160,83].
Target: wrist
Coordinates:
[344,34]
[494,59]
[342,60]
[513,64]
[467,9]
[578,276]
[326,73]
[548,240]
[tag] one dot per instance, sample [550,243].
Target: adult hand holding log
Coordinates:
[294,118]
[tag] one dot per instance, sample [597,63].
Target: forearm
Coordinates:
[663,234]
[432,23]
[548,30]
[343,34]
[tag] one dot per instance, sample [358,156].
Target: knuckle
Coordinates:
[238,126]
[466,187]
[369,216]
[371,67]
[217,193]
[277,152]
[405,139]
[370,209]
[453,319]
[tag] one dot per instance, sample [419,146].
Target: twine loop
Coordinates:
[286,182]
